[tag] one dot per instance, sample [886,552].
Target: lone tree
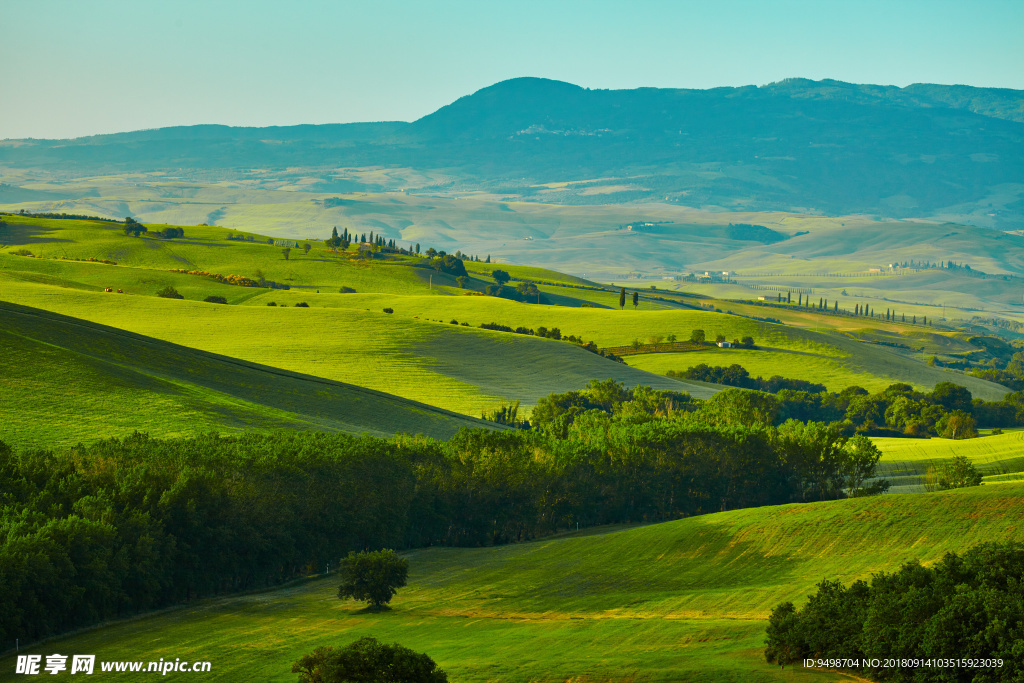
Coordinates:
[286,251]
[368,660]
[306,246]
[372,577]
[500,276]
[622,298]
[697,336]
[636,299]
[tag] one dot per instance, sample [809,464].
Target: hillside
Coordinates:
[415,352]
[905,462]
[795,145]
[684,599]
[69,380]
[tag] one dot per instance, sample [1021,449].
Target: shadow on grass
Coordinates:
[17,234]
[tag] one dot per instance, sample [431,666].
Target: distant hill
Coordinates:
[810,146]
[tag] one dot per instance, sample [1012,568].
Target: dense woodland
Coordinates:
[126,525]
[965,607]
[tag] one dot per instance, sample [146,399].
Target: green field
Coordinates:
[414,353]
[683,600]
[813,368]
[72,381]
[587,240]
[905,462]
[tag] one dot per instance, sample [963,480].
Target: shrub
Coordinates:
[271,303]
[302,304]
[21,252]
[215,300]
[958,473]
[389,310]
[169,293]
[346,290]
[367,659]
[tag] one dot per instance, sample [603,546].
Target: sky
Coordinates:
[71,68]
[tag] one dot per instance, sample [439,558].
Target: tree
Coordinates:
[450,265]
[957,424]
[215,300]
[697,336]
[622,298]
[133,227]
[959,473]
[367,660]
[286,251]
[372,577]
[860,455]
[952,396]
[719,338]
[747,342]
[500,276]
[169,293]
[636,299]
[462,281]
[306,247]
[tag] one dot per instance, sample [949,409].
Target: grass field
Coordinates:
[415,352]
[452,367]
[69,381]
[812,368]
[905,462]
[590,240]
[683,600]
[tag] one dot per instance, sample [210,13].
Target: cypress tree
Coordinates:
[622,298]
[835,308]
[789,297]
[799,299]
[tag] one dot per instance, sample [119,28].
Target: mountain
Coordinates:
[809,146]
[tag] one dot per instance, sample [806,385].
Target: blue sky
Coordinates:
[80,67]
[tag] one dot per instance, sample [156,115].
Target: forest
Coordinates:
[121,526]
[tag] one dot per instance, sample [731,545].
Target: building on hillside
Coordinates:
[365,246]
[725,345]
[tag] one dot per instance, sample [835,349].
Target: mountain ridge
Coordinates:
[795,145]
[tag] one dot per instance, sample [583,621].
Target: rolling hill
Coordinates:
[677,600]
[69,380]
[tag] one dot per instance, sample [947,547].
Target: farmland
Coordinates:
[678,599]
[381,345]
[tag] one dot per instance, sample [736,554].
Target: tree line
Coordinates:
[948,410]
[127,525]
